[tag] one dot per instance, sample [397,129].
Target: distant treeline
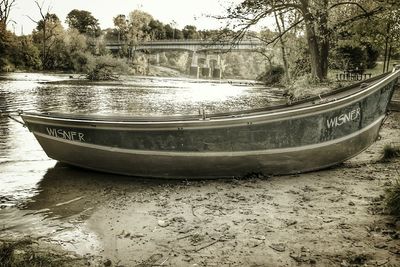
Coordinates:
[81,47]
[307,40]
[140,26]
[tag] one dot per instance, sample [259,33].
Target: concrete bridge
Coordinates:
[192,45]
[206,59]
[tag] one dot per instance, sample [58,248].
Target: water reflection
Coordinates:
[132,96]
[22,161]
[65,198]
[42,197]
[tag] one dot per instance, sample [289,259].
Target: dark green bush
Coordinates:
[393,198]
[301,64]
[372,56]
[105,68]
[347,57]
[272,75]
[390,151]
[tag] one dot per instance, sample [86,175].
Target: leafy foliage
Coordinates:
[26,55]
[121,23]
[272,76]
[190,32]
[372,56]
[350,58]
[138,26]
[5,10]
[104,68]
[84,22]
[393,198]
[356,32]
[243,65]
[48,36]
[301,65]
[5,46]
[24,253]
[390,151]
[318,20]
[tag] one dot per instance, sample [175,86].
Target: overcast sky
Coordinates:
[183,12]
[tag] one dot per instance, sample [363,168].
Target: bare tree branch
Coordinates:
[40,7]
[34,21]
[5,9]
[356,18]
[47,26]
[276,38]
[349,3]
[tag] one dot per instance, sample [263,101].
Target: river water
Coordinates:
[35,188]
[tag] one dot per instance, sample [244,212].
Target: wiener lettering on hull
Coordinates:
[67,135]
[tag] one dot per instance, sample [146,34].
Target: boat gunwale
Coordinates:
[239,116]
[216,153]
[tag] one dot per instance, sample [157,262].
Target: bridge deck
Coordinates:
[192,45]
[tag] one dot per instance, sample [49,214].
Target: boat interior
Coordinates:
[306,102]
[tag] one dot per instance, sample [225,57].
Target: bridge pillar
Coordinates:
[157,59]
[217,71]
[206,69]
[205,72]
[194,67]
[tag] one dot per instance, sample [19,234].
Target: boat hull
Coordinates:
[294,139]
[209,165]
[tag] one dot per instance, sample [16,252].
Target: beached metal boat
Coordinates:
[304,136]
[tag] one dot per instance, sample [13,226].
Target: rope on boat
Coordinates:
[12,114]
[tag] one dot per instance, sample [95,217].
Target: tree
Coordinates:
[5,46]
[317,19]
[5,9]
[77,55]
[105,68]
[121,23]
[138,26]
[377,35]
[25,54]
[84,22]
[5,36]
[391,35]
[47,32]
[280,24]
[169,32]
[178,34]
[157,30]
[190,32]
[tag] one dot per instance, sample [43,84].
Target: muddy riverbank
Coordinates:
[333,217]
[75,217]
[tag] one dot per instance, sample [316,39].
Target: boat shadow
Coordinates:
[66,190]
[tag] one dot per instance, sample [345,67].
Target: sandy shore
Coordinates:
[333,217]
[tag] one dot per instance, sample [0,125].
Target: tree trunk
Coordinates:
[324,38]
[44,56]
[317,38]
[389,57]
[386,48]
[316,68]
[283,45]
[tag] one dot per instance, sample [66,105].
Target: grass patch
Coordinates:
[23,253]
[390,151]
[393,198]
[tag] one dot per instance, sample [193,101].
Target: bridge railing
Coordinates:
[190,42]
